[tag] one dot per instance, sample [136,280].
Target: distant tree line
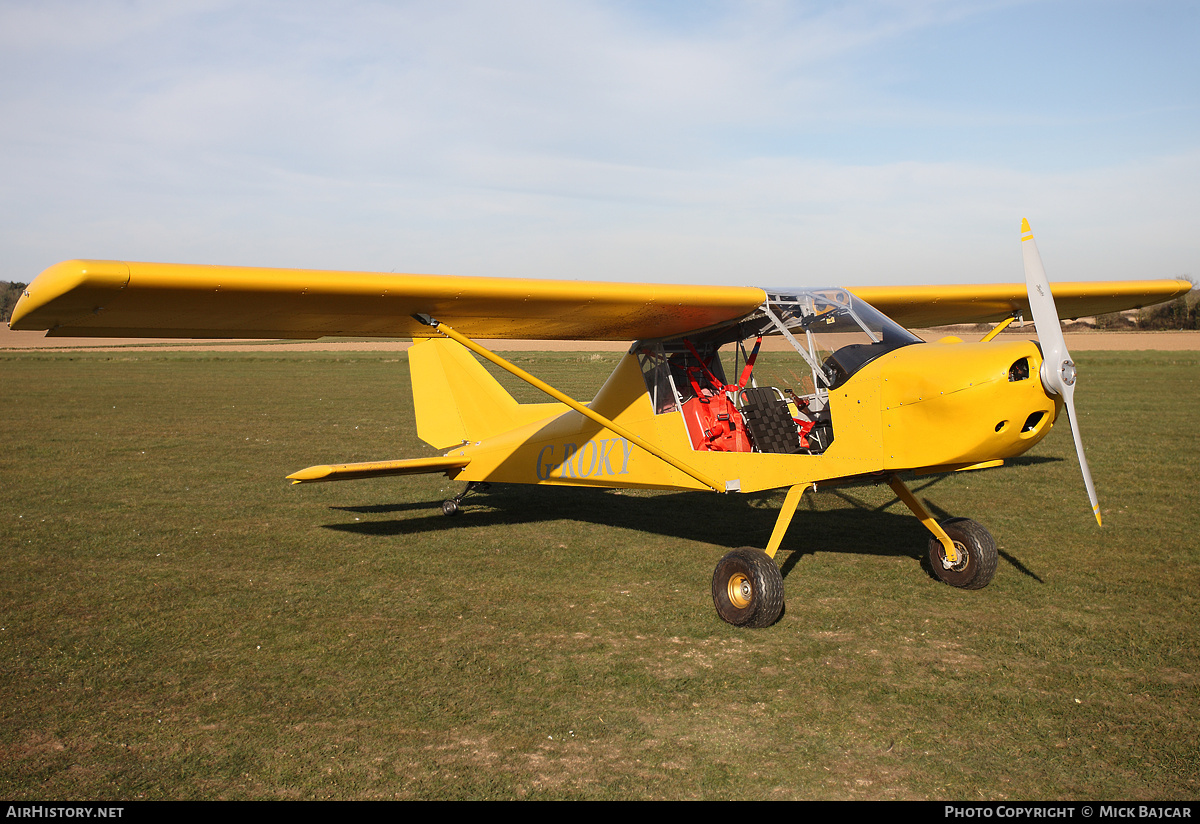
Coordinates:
[9,292]
[1180,313]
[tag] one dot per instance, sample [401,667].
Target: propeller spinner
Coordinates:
[1058,370]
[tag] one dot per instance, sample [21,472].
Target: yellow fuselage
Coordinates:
[925,407]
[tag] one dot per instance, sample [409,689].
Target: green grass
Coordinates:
[176,621]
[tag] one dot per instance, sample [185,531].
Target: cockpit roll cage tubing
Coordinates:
[788,310]
[818,372]
[784,311]
[573,404]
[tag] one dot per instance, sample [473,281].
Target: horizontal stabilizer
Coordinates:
[378,469]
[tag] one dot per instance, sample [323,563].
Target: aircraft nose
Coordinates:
[963,404]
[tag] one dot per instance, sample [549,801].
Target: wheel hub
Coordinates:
[963,558]
[740,590]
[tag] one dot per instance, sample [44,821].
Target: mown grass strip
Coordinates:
[178,622]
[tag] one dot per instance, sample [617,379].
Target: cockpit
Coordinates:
[736,397]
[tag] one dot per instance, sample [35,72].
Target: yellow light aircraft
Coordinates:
[866,401]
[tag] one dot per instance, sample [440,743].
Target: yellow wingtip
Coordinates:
[1096,512]
[1025,226]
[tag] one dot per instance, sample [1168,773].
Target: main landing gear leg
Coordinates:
[747,586]
[450,506]
[962,552]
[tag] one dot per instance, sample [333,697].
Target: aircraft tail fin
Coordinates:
[457,400]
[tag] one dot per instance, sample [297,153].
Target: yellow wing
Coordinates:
[120,299]
[919,306]
[124,299]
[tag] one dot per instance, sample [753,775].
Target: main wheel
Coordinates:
[747,588]
[977,555]
[450,507]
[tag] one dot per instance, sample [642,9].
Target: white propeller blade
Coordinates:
[1058,370]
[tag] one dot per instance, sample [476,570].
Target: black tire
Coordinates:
[747,588]
[450,507]
[977,555]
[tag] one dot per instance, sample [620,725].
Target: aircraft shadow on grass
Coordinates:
[856,526]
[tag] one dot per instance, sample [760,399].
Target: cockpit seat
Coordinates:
[769,421]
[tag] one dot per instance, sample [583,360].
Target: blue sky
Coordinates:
[770,143]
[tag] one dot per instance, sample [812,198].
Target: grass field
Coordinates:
[176,621]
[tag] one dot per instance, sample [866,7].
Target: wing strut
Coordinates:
[1001,326]
[569,401]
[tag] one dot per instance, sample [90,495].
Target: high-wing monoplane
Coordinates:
[687,407]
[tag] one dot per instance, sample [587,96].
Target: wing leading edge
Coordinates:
[126,299]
